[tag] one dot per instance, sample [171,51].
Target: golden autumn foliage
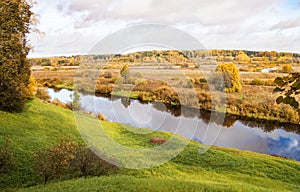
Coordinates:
[231,78]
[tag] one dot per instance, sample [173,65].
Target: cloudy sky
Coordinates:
[74,26]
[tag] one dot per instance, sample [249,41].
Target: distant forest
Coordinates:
[255,59]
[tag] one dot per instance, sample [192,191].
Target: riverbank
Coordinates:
[256,102]
[256,99]
[42,125]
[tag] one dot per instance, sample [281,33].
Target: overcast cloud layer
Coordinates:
[74,26]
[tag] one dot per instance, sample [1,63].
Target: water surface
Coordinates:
[242,133]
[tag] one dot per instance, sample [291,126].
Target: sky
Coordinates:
[72,27]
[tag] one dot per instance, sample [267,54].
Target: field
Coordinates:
[42,125]
[177,86]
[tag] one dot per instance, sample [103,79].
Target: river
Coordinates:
[260,136]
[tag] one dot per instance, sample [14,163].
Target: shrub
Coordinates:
[204,100]
[31,87]
[166,95]
[202,80]
[105,89]
[269,83]
[229,74]
[42,94]
[288,68]
[257,81]
[125,73]
[54,161]
[142,96]
[189,83]
[101,117]
[6,157]
[107,74]
[244,69]
[70,160]
[59,104]
[87,163]
[157,140]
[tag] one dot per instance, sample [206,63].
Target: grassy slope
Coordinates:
[218,169]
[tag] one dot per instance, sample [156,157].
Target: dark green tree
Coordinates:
[289,88]
[15,20]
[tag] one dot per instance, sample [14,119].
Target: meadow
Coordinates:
[42,125]
[175,86]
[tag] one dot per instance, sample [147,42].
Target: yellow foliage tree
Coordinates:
[242,58]
[230,74]
[287,68]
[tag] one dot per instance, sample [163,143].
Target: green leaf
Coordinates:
[296,84]
[291,101]
[279,100]
[278,89]
[280,82]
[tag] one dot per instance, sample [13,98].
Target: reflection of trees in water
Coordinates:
[219,118]
[125,102]
[175,111]
[187,112]
[56,90]
[269,126]
[226,120]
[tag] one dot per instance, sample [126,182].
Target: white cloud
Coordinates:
[74,26]
[286,24]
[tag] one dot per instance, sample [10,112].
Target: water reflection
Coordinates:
[236,132]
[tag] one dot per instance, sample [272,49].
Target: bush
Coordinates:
[60,104]
[31,87]
[288,68]
[202,80]
[257,81]
[70,160]
[6,157]
[101,117]
[104,89]
[107,74]
[166,95]
[87,163]
[157,140]
[244,69]
[55,161]
[189,83]
[229,74]
[142,96]
[42,94]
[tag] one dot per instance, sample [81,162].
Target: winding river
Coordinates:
[260,136]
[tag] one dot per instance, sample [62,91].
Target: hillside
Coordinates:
[218,169]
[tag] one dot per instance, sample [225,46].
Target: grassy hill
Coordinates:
[218,169]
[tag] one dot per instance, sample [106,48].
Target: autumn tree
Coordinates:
[242,58]
[125,73]
[227,78]
[289,89]
[288,68]
[15,20]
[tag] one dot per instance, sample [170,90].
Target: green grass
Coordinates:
[219,169]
